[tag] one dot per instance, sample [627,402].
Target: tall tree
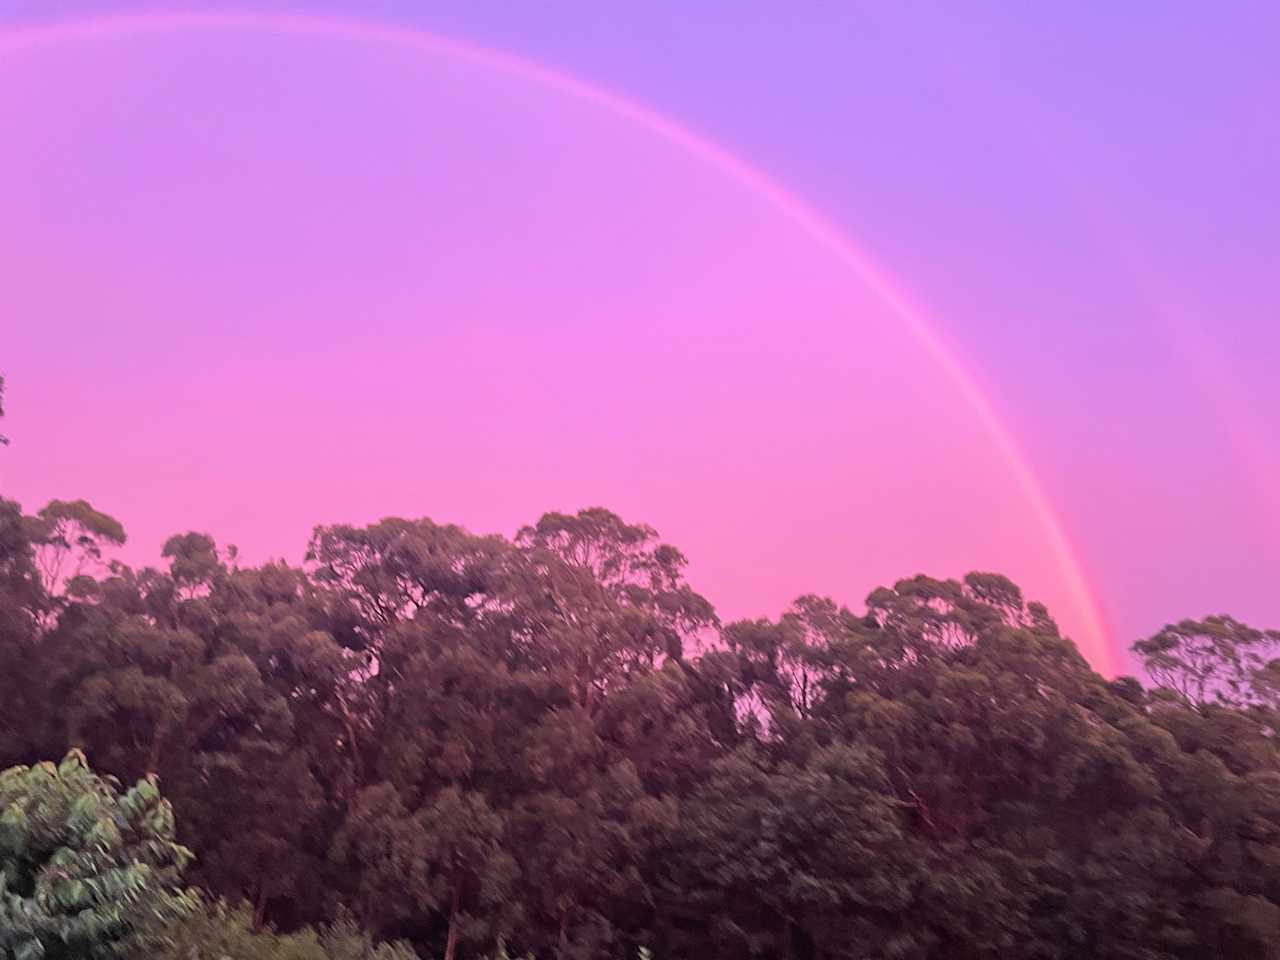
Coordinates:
[23,606]
[1215,660]
[615,597]
[71,536]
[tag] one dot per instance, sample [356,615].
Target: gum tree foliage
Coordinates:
[552,743]
[1217,660]
[23,605]
[202,675]
[70,537]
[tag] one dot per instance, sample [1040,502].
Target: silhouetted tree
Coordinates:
[551,742]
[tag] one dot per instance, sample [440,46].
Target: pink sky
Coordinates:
[258,279]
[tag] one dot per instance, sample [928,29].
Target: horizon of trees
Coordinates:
[551,744]
[424,742]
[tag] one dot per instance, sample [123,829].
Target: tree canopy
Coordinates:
[457,744]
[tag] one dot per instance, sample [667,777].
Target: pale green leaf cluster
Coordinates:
[84,869]
[220,932]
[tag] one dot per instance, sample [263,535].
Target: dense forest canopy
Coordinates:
[458,745]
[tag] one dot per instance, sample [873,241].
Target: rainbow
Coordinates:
[1094,642]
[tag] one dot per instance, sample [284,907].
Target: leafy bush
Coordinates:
[85,872]
[221,932]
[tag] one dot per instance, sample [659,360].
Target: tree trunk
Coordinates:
[153,754]
[357,760]
[564,931]
[451,944]
[260,907]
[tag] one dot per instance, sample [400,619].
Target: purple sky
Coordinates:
[258,279]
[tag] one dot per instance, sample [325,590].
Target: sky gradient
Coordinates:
[262,276]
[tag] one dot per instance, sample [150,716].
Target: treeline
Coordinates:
[449,740]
